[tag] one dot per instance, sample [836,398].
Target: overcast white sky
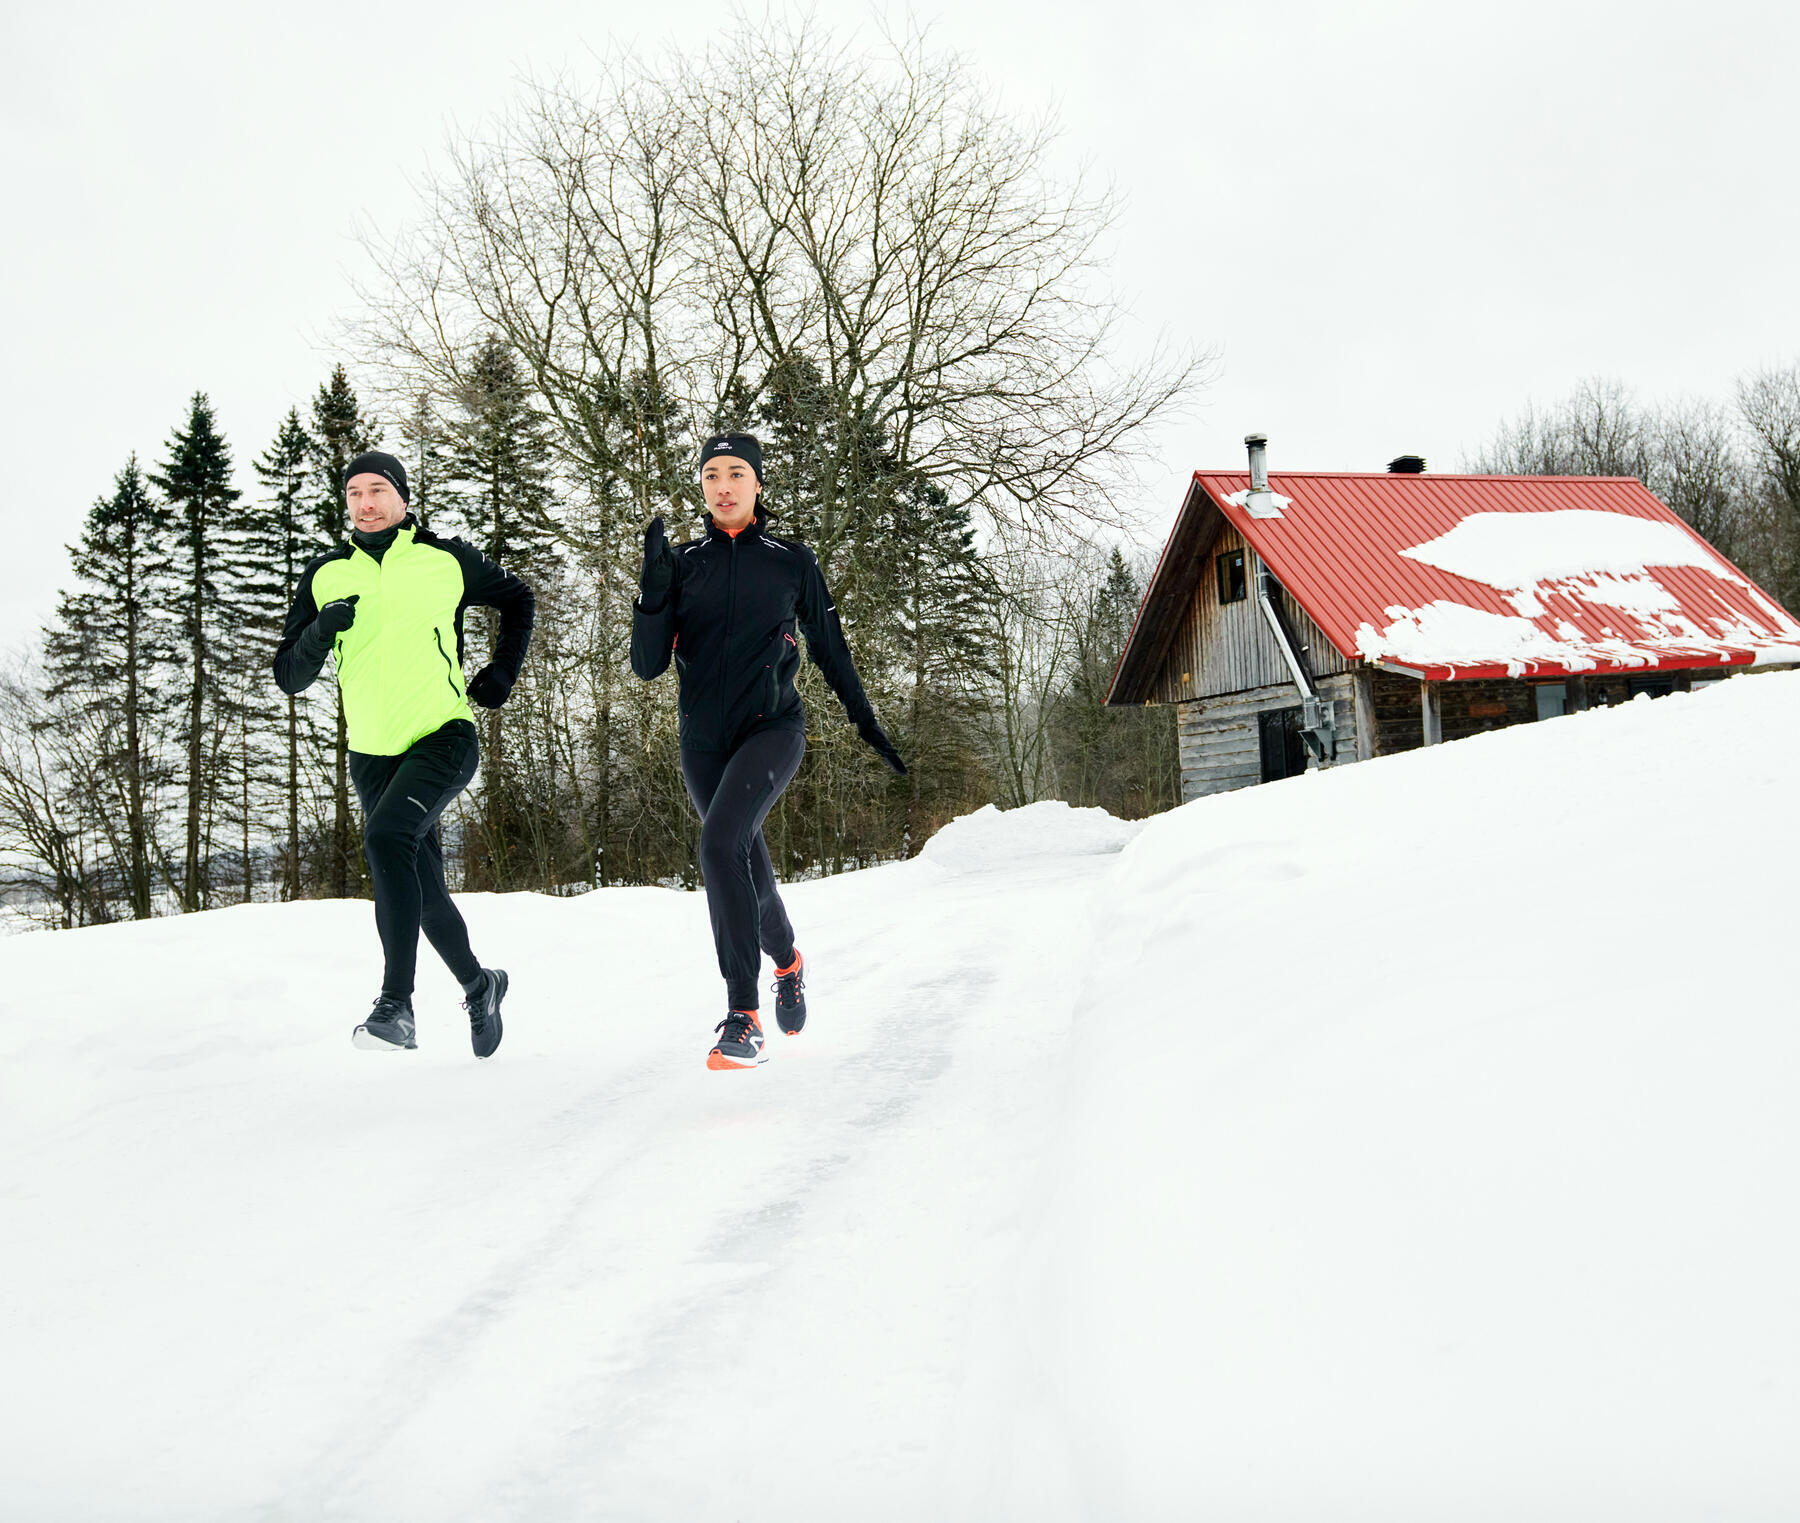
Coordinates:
[1396,222]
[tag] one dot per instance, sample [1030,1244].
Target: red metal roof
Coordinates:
[1337,547]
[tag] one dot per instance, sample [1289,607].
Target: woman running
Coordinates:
[726,606]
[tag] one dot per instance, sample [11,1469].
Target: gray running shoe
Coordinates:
[389,1026]
[484,1012]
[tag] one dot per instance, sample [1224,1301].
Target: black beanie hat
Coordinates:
[744,446]
[375,462]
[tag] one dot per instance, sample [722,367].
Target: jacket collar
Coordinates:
[754,527]
[387,538]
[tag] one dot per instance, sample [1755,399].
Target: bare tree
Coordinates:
[1599,430]
[1769,403]
[1698,470]
[1031,644]
[659,248]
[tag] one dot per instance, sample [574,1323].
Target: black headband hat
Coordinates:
[375,462]
[744,446]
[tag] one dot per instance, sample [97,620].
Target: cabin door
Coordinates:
[1283,749]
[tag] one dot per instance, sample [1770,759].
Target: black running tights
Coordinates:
[402,797]
[733,792]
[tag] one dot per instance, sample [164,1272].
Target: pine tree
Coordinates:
[107,652]
[1120,759]
[339,433]
[281,536]
[941,596]
[196,479]
[423,432]
[497,477]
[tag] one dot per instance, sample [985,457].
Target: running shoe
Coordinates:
[790,996]
[740,1043]
[484,1012]
[389,1026]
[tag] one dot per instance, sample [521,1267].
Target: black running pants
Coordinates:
[402,797]
[733,792]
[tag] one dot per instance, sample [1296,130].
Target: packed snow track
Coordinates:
[1414,1141]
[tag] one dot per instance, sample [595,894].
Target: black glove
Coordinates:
[335,618]
[879,743]
[659,566]
[489,687]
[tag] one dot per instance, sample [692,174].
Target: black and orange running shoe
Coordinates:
[790,996]
[740,1043]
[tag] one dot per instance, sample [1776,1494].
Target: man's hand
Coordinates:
[335,618]
[489,687]
[659,566]
[878,742]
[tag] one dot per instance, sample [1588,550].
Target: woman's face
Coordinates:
[730,488]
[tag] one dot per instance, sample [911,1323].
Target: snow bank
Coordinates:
[993,838]
[1411,1141]
[1432,1133]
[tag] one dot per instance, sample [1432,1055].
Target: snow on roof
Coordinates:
[1601,552]
[1483,576]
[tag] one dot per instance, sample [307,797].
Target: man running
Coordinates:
[389,605]
[726,606]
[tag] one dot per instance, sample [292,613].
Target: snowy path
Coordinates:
[590,1278]
[1416,1142]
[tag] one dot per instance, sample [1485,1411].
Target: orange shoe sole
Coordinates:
[718,1060]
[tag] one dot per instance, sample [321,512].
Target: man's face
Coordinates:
[730,489]
[374,504]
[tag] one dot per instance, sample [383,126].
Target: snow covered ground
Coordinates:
[1416,1141]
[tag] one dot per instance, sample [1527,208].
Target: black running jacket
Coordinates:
[730,621]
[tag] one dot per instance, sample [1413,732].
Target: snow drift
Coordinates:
[1415,1140]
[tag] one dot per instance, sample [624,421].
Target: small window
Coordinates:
[1656,687]
[1552,699]
[1231,576]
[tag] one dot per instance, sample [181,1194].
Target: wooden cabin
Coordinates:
[1312,619]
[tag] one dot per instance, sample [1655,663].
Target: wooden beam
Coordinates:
[1431,709]
[1364,679]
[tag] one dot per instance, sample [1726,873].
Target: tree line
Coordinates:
[855,256]
[1730,469]
[149,765]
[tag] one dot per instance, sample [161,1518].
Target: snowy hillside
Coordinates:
[1416,1141]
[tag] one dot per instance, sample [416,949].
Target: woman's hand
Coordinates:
[878,742]
[659,566]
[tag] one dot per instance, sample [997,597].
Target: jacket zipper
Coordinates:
[448,667]
[725,644]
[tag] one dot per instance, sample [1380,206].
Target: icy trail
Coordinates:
[1414,1142]
[288,1280]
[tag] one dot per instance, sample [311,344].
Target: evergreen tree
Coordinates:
[281,536]
[196,479]
[941,597]
[496,460]
[106,654]
[497,477]
[1120,759]
[339,433]
[423,432]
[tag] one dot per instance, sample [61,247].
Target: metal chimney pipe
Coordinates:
[1258,445]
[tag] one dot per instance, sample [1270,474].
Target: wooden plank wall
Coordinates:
[1229,649]
[1220,739]
[1377,714]
[1470,707]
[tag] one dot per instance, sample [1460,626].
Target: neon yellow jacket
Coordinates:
[399,664]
